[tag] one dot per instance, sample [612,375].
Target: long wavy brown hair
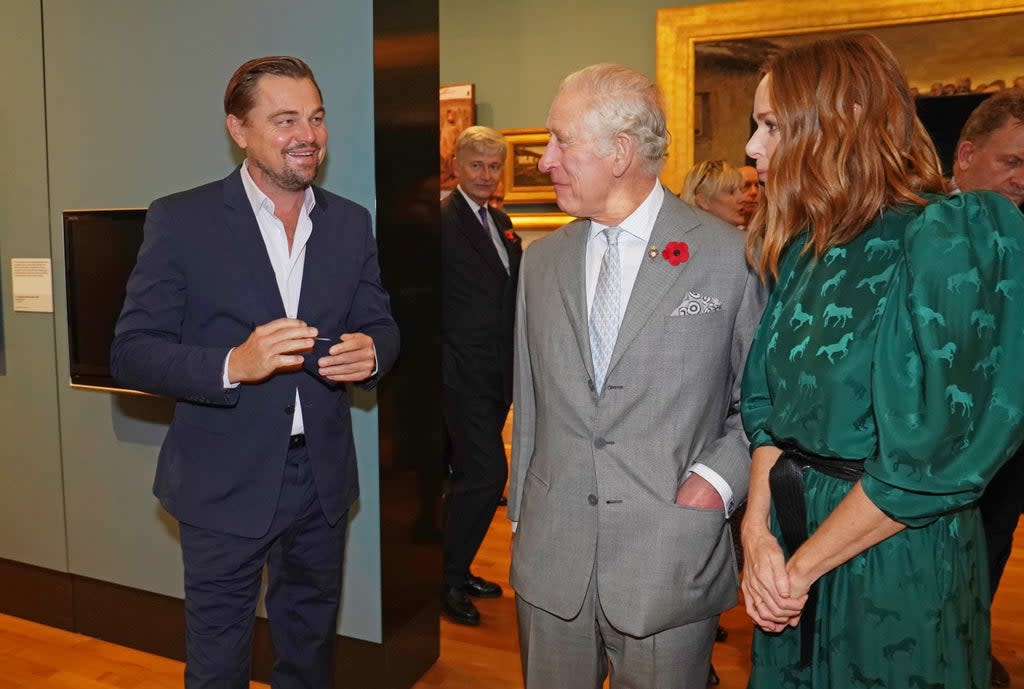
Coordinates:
[850,146]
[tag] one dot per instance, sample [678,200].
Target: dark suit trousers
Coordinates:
[303,554]
[479,472]
[1001,505]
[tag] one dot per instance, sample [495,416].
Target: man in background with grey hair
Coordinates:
[480,265]
[632,328]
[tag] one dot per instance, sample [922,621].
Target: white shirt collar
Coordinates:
[472,204]
[639,223]
[258,200]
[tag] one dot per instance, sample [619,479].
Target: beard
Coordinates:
[288,179]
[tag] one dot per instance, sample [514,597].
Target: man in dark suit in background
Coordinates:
[236,283]
[990,156]
[480,263]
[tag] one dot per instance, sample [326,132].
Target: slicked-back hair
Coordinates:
[482,140]
[992,114]
[709,177]
[621,100]
[240,94]
[850,146]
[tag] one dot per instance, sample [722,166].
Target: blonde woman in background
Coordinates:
[717,187]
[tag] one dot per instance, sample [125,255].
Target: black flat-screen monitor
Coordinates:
[100,247]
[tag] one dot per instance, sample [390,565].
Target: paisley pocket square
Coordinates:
[696,304]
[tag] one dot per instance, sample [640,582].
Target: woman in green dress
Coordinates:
[884,387]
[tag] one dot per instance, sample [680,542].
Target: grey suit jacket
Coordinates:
[594,476]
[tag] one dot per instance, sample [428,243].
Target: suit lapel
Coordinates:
[655,277]
[515,255]
[320,258]
[572,286]
[253,263]
[475,234]
[514,249]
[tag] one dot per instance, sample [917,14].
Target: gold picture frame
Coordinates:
[680,29]
[539,221]
[523,182]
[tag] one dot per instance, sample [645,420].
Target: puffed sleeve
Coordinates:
[756,394]
[755,400]
[947,385]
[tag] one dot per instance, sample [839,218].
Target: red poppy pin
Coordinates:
[676,253]
[511,236]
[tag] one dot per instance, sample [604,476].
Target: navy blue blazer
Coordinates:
[202,281]
[478,301]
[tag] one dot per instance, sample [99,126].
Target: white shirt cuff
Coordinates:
[719,484]
[515,525]
[228,385]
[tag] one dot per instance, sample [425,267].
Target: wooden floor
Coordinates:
[36,657]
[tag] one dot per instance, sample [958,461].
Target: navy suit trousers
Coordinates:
[303,555]
[479,473]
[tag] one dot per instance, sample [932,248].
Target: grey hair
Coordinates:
[482,140]
[622,100]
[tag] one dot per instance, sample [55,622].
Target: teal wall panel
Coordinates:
[31,498]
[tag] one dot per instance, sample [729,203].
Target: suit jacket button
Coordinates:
[290,409]
[592,499]
[600,443]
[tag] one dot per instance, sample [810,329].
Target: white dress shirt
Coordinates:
[288,266]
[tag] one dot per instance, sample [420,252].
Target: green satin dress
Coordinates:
[903,347]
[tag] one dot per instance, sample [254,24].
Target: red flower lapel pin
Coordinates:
[511,236]
[676,253]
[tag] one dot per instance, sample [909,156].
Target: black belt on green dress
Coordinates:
[786,480]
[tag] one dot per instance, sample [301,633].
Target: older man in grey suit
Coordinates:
[632,328]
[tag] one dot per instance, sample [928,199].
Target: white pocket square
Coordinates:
[696,304]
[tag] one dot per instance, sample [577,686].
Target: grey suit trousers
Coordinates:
[579,653]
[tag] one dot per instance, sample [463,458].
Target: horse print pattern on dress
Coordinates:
[894,348]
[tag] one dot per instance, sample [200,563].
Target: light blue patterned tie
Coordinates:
[604,313]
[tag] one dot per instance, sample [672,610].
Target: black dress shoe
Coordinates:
[457,607]
[481,588]
[713,680]
[1000,677]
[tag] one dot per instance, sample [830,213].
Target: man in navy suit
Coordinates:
[480,267]
[254,300]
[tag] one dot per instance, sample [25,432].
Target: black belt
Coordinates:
[786,481]
[296,441]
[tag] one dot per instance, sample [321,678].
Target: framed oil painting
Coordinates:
[458,111]
[524,183]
